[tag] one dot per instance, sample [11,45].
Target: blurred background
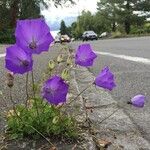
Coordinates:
[79,19]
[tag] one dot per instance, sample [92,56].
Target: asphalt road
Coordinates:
[123,56]
[129,60]
[40,66]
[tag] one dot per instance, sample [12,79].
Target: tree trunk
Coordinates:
[14,13]
[127,26]
[114,26]
[127,22]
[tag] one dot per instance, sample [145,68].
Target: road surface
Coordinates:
[129,60]
[40,66]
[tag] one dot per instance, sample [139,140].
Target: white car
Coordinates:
[104,34]
[57,39]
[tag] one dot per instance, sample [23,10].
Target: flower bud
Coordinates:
[65,74]
[1,93]
[51,64]
[55,120]
[11,113]
[69,60]
[10,79]
[60,58]
[30,103]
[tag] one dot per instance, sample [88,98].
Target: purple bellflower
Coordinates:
[17,60]
[84,55]
[138,101]
[33,35]
[55,90]
[105,79]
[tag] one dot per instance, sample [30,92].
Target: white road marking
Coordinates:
[125,57]
[2,55]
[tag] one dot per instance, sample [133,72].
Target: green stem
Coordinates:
[27,94]
[33,84]
[33,87]
[109,116]
[79,94]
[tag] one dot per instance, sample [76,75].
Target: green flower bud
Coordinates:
[55,119]
[69,60]
[60,58]
[1,93]
[51,64]
[65,74]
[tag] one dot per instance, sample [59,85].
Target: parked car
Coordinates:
[89,35]
[65,38]
[57,39]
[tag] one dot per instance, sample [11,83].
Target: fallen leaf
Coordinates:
[103,143]
[73,148]
[53,148]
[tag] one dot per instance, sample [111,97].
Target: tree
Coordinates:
[108,9]
[11,10]
[123,11]
[63,28]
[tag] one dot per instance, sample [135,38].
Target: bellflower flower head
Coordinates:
[84,55]
[33,35]
[55,90]
[138,101]
[17,60]
[105,79]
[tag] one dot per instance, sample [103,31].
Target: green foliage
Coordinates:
[63,28]
[6,36]
[123,12]
[147,27]
[11,10]
[116,34]
[49,121]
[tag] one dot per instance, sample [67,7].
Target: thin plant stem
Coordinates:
[86,114]
[80,94]
[11,98]
[33,87]
[26,124]
[27,94]
[33,84]
[109,115]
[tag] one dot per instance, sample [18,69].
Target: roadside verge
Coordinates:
[118,129]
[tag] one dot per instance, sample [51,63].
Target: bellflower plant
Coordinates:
[105,79]
[84,55]
[138,101]
[33,35]
[37,118]
[17,60]
[55,90]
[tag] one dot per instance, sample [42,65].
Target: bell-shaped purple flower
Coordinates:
[55,90]
[85,55]
[33,35]
[105,79]
[17,60]
[138,101]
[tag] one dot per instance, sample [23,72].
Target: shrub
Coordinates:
[7,36]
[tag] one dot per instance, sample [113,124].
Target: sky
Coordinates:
[53,14]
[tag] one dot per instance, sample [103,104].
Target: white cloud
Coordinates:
[53,14]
